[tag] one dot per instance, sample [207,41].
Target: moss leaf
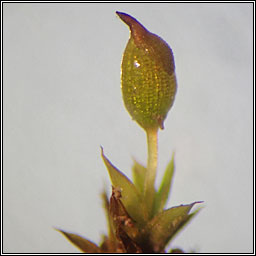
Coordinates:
[139,174]
[164,190]
[81,243]
[131,198]
[166,224]
[186,221]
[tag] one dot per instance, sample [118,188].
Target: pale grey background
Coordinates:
[62,100]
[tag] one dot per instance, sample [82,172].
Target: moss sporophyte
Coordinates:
[137,219]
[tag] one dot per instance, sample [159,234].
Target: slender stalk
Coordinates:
[149,188]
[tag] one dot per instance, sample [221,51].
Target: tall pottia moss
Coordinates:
[138,221]
[148,76]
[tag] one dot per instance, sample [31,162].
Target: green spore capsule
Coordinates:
[148,78]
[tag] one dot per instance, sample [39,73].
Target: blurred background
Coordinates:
[62,101]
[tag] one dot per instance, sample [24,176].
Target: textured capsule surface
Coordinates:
[148,78]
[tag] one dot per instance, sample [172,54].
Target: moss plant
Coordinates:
[137,219]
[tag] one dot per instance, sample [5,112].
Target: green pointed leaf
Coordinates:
[139,174]
[130,196]
[163,192]
[165,224]
[81,243]
[186,221]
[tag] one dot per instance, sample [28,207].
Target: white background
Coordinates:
[62,101]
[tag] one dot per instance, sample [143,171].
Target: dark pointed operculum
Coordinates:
[148,75]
